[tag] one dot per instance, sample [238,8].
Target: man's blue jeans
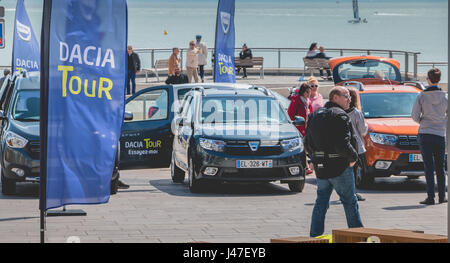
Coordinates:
[433,153]
[344,185]
[132,77]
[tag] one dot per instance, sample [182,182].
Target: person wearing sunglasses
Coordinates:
[331,142]
[315,97]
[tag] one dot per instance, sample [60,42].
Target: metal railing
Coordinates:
[273,57]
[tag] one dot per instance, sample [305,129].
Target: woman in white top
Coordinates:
[312,52]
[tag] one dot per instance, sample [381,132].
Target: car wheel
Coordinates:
[194,184]
[297,186]
[8,185]
[363,179]
[176,173]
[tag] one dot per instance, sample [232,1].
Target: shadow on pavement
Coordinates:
[17,218]
[216,189]
[396,185]
[406,207]
[23,191]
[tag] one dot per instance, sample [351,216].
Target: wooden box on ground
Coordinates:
[298,240]
[354,235]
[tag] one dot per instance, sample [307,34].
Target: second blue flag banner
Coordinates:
[225,70]
[87,67]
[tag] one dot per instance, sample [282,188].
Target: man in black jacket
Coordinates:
[134,66]
[177,78]
[331,143]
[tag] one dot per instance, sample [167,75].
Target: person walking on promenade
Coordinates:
[361,128]
[332,145]
[430,111]
[177,78]
[245,53]
[202,57]
[301,106]
[134,66]
[192,62]
[316,98]
[174,61]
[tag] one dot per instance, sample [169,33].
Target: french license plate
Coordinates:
[254,164]
[415,158]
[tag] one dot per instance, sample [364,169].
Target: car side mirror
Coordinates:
[128,116]
[2,115]
[299,121]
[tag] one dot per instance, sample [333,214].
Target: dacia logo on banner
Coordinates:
[225,19]
[23,31]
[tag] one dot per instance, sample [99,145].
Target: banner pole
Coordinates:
[45,45]
[215,43]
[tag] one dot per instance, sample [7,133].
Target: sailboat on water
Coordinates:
[356,18]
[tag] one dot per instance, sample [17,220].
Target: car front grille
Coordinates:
[242,148]
[408,142]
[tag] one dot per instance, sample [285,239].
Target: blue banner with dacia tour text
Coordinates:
[87,76]
[225,70]
[26,51]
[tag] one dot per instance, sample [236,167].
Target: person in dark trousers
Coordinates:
[177,78]
[331,144]
[134,66]
[360,128]
[245,53]
[322,54]
[430,111]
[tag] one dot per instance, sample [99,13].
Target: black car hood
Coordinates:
[28,130]
[248,132]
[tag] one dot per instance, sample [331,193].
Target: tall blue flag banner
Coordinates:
[87,69]
[26,52]
[224,69]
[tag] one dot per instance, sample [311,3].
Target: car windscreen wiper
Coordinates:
[26,120]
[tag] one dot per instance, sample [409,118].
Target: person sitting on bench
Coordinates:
[245,53]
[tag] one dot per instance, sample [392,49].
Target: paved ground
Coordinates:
[156,210]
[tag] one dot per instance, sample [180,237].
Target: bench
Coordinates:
[250,63]
[314,63]
[161,64]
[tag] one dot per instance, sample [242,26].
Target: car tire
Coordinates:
[297,186]
[363,179]
[177,174]
[8,185]
[193,183]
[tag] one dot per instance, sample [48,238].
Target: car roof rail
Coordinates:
[199,88]
[358,85]
[416,84]
[263,89]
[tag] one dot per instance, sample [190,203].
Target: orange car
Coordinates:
[386,102]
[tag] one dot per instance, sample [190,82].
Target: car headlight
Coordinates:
[212,145]
[292,145]
[15,141]
[386,139]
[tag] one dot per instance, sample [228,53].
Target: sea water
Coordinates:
[407,25]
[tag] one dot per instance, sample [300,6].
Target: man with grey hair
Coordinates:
[6,72]
[331,143]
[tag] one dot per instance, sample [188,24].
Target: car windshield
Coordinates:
[27,105]
[387,105]
[242,110]
[368,69]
